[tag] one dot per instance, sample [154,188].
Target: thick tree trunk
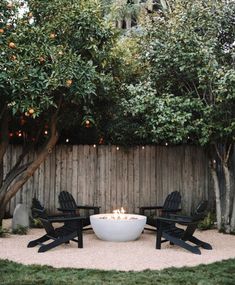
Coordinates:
[225,209]
[227,225]
[6,196]
[4,139]
[233,216]
[217,195]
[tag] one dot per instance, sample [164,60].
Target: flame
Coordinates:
[119,214]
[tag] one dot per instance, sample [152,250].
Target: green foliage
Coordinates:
[208,222]
[3,232]
[210,274]
[20,230]
[36,223]
[187,86]
[58,59]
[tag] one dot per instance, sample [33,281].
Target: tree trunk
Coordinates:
[217,194]
[225,209]
[233,216]
[6,196]
[227,220]
[4,139]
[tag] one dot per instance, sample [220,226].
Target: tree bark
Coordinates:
[233,216]
[4,139]
[217,194]
[227,225]
[25,176]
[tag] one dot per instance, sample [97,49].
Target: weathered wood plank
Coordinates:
[111,178]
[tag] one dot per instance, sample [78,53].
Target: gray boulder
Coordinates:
[20,216]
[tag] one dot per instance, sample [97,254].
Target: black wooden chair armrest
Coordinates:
[151,207]
[78,207]
[171,211]
[59,219]
[56,216]
[176,219]
[88,207]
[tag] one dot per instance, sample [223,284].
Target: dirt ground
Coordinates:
[97,254]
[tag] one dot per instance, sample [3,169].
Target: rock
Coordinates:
[20,216]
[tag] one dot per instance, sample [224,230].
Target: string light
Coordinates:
[67,140]
[143,147]
[166,144]
[45,132]
[117,148]
[101,141]
[94,145]
[87,123]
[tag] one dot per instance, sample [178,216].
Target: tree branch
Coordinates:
[4,132]
[11,176]
[33,166]
[228,153]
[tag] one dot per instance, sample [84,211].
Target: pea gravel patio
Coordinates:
[97,254]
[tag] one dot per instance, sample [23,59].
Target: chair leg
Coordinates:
[200,243]
[159,238]
[46,247]
[38,241]
[62,240]
[80,236]
[182,244]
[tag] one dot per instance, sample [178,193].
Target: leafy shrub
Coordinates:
[3,232]
[36,223]
[20,230]
[208,222]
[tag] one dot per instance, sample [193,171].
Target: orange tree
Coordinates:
[53,68]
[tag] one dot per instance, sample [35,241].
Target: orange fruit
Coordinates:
[52,35]
[12,45]
[69,82]
[9,5]
[42,59]
[1,31]
[31,111]
[13,57]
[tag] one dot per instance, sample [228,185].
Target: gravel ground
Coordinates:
[97,254]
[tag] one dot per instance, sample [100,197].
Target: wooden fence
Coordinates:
[112,177]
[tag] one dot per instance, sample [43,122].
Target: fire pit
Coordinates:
[118,226]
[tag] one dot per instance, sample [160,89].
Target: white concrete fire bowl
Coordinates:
[126,227]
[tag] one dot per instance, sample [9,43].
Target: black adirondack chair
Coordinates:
[171,205]
[70,231]
[69,206]
[167,229]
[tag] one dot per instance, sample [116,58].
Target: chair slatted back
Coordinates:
[67,201]
[199,215]
[38,211]
[172,202]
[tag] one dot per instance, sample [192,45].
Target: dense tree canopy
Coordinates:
[54,70]
[186,93]
[190,70]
